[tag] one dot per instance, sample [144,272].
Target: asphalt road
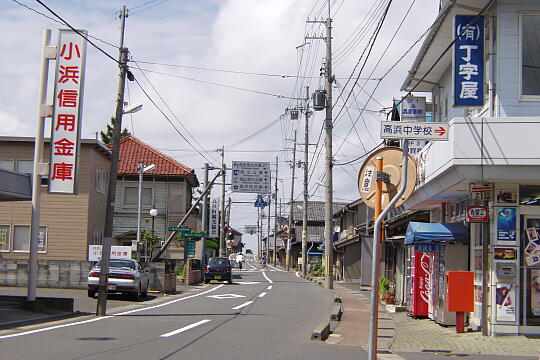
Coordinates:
[263,315]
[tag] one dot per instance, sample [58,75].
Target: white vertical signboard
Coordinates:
[67,111]
[213,223]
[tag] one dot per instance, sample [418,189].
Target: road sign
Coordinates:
[260,202]
[190,248]
[414,130]
[193,235]
[183,229]
[477,214]
[250,177]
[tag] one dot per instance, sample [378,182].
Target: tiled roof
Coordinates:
[133,151]
[315,210]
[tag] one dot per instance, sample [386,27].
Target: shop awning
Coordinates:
[435,232]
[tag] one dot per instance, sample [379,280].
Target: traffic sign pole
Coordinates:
[374,320]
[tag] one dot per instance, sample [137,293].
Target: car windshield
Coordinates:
[218,261]
[126,264]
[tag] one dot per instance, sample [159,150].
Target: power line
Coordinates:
[159,2]
[79,33]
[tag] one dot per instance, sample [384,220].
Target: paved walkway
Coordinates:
[399,332]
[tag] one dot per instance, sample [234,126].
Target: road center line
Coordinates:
[107,317]
[242,305]
[269,287]
[262,294]
[185,328]
[267,278]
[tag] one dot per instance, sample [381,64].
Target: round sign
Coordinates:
[392,163]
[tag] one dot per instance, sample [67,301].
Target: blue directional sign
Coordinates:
[260,202]
[250,177]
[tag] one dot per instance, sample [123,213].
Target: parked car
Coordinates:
[249,251]
[125,276]
[218,268]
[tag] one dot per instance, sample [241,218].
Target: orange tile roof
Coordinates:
[133,151]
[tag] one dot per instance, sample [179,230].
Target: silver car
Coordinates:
[125,276]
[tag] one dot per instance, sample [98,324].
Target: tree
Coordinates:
[107,136]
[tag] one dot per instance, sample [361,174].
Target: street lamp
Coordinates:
[133,108]
[142,170]
[153,214]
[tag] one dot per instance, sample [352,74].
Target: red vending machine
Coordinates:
[420,282]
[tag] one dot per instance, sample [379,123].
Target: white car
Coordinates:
[125,276]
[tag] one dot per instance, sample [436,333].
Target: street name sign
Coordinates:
[183,229]
[414,130]
[190,248]
[193,235]
[251,177]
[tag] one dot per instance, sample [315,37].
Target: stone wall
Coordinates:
[51,273]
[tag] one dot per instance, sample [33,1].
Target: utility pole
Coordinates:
[289,238]
[305,213]
[259,248]
[275,212]
[328,202]
[222,251]
[109,212]
[268,225]
[204,220]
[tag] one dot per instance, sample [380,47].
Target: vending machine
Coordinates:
[419,282]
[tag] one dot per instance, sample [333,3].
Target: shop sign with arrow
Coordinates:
[414,130]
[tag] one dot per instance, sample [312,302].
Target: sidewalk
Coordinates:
[399,332]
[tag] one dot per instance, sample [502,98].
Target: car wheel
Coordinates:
[91,293]
[229,281]
[206,281]
[144,293]
[137,294]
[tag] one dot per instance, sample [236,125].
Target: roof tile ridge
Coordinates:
[162,155]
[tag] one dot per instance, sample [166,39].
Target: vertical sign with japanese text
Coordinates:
[469,61]
[213,223]
[67,111]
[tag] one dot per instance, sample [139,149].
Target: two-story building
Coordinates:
[491,102]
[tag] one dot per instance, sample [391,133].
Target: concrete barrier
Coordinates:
[336,313]
[321,331]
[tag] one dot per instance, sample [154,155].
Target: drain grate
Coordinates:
[436,351]
[458,355]
[96,338]
[384,352]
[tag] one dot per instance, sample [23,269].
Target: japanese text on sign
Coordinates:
[65,129]
[117,252]
[469,61]
[213,225]
[250,177]
[414,130]
[413,107]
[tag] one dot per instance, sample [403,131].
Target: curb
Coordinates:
[40,320]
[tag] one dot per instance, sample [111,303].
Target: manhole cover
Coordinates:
[96,338]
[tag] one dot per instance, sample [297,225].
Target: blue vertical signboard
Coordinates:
[469,61]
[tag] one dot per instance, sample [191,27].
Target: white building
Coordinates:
[493,144]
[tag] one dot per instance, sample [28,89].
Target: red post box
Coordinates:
[460,295]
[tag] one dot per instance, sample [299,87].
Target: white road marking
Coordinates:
[269,287]
[185,328]
[242,305]
[262,294]
[297,274]
[275,268]
[267,278]
[226,296]
[108,317]
[247,282]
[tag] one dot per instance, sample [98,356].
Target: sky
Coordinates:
[224,72]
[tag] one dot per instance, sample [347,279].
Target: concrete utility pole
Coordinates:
[305,213]
[204,220]
[268,226]
[36,176]
[328,208]
[109,212]
[222,251]
[275,213]
[289,238]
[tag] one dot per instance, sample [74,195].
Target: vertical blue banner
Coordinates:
[469,61]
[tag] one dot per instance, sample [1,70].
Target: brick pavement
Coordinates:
[399,332]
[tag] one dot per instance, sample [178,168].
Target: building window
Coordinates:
[131,194]
[6,164]
[21,238]
[530,56]
[101,181]
[25,166]
[4,237]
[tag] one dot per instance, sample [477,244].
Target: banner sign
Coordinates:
[117,252]
[469,61]
[506,224]
[213,224]
[67,111]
